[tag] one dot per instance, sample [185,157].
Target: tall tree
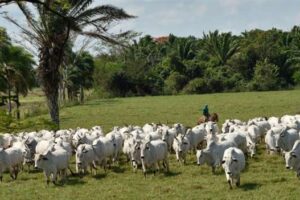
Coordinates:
[50,29]
[223,46]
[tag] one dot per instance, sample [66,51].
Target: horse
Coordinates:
[212,117]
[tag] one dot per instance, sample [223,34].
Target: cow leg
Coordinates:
[47,176]
[230,183]
[16,171]
[71,171]
[159,166]
[166,163]
[238,182]
[213,169]
[11,172]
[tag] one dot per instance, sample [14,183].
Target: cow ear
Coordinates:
[223,161]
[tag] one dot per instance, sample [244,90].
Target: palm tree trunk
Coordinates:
[81,94]
[9,99]
[64,92]
[52,101]
[18,103]
[49,76]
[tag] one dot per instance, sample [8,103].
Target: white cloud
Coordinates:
[231,6]
[297,18]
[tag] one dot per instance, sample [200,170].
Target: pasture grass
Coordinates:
[264,178]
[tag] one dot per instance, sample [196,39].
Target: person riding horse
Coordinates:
[206,113]
[207,116]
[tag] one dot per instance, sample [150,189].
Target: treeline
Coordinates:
[217,62]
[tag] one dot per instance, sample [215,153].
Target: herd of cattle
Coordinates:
[148,146]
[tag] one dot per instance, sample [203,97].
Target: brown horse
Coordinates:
[213,117]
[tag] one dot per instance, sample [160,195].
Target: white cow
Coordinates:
[152,153]
[233,163]
[11,159]
[287,139]
[181,146]
[212,155]
[271,139]
[53,162]
[196,136]
[85,157]
[292,158]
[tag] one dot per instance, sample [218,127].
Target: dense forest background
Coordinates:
[255,60]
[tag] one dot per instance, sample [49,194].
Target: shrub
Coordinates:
[174,83]
[296,77]
[265,76]
[195,86]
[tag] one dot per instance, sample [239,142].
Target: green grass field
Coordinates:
[264,178]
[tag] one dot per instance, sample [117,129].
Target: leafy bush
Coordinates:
[296,77]
[174,83]
[195,86]
[265,76]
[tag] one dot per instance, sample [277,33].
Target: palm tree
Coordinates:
[222,46]
[16,69]
[50,24]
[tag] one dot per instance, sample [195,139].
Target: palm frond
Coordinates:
[110,12]
[79,6]
[30,20]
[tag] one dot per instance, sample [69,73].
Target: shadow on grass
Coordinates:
[34,171]
[172,174]
[278,180]
[74,181]
[219,172]
[250,186]
[117,169]
[99,176]
[27,178]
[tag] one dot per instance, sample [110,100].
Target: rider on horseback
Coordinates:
[206,112]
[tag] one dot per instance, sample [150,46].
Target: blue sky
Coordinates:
[193,17]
